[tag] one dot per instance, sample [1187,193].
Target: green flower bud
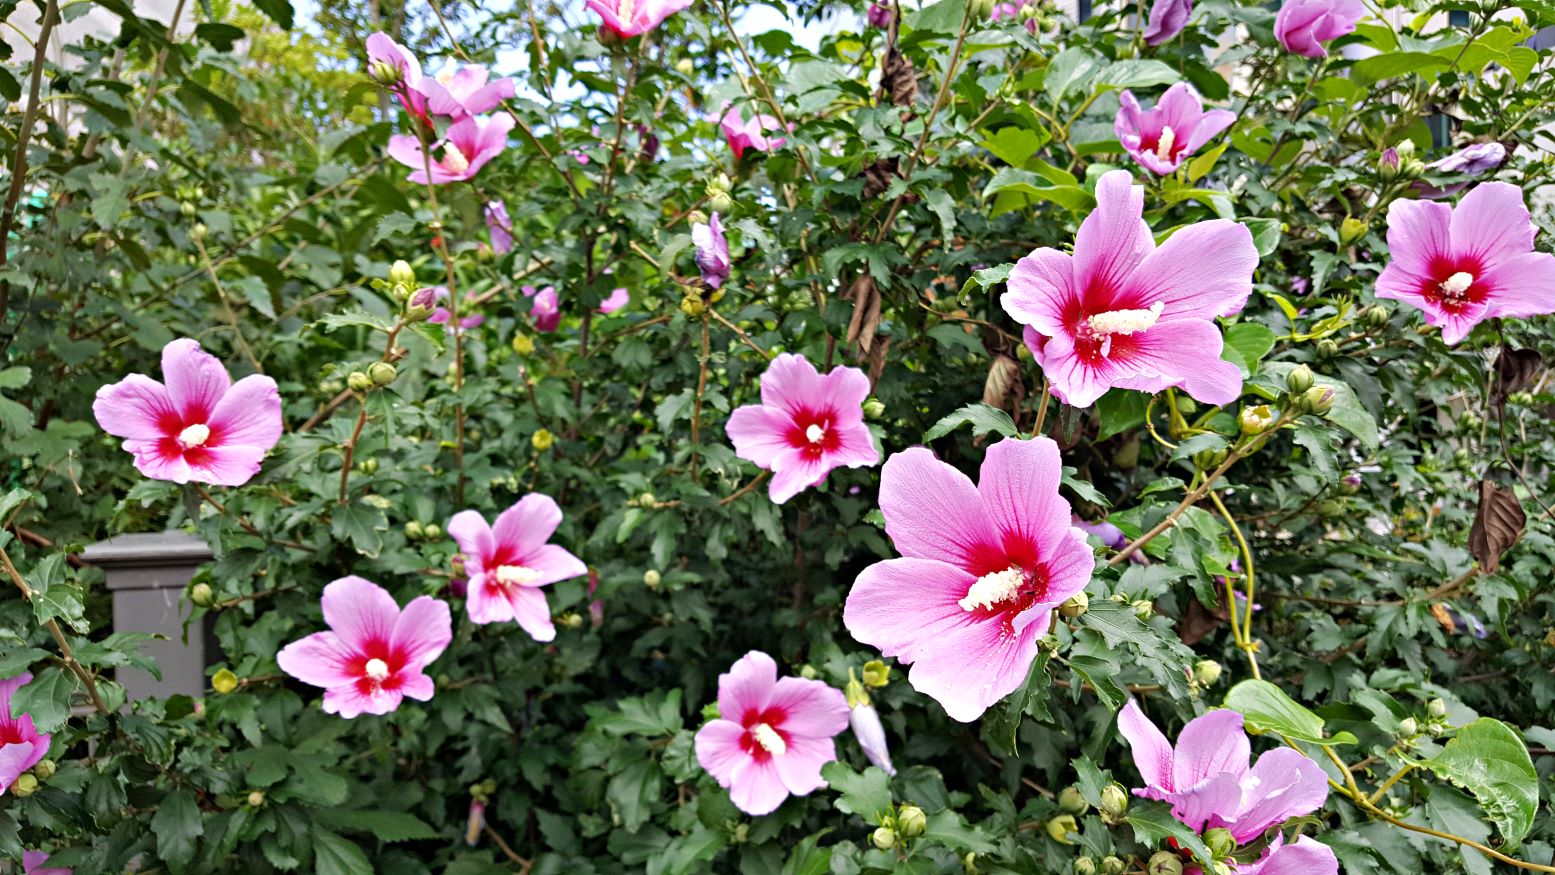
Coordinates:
[876,673]
[1331,507]
[542,439]
[382,373]
[1220,842]
[1255,420]
[1377,316]
[1085,866]
[1522,399]
[684,67]
[415,531]
[1075,606]
[1469,420]
[1071,802]
[980,9]
[1114,804]
[384,73]
[608,38]
[1327,348]
[401,273]
[1413,168]
[1209,460]
[199,232]
[1404,148]
[1388,165]
[256,798]
[1351,230]
[883,838]
[434,531]
[358,381]
[1408,728]
[1059,828]
[1164,863]
[874,408]
[1318,400]
[523,344]
[1143,609]
[719,201]
[1206,672]
[807,671]
[25,785]
[1299,380]
[1111,865]
[647,499]
[911,821]
[693,306]
[202,595]
[1436,708]
[710,711]
[224,681]
[651,578]
[571,620]
[188,209]
[367,466]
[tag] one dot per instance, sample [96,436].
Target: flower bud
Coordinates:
[367,466]
[874,408]
[1220,842]
[420,304]
[1071,802]
[401,273]
[1111,865]
[1085,866]
[1114,804]
[1470,420]
[188,209]
[25,785]
[1377,316]
[1520,398]
[647,499]
[199,232]
[651,578]
[1164,863]
[571,620]
[1206,672]
[542,440]
[1405,148]
[1331,507]
[807,671]
[876,673]
[1388,165]
[684,67]
[911,821]
[224,681]
[1408,728]
[1209,460]
[202,595]
[523,344]
[1318,400]
[969,864]
[692,306]
[1327,348]
[883,838]
[384,73]
[1436,708]
[382,373]
[1413,168]
[45,769]
[1299,380]
[1255,420]
[608,38]
[1059,828]
[710,711]
[434,531]
[256,798]
[358,381]
[1075,606]
[415,531]
[1351,230]
[1143,609]
[980,9]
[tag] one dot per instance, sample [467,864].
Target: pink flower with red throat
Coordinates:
[1206,780]
[618,298]
[546,309]
[374,654]
[751,134]
[32,864]
[464,151]
[982,569]
[629,18]
[463,91]
[1302,26]
[200,426]
[805,425]
[773,736]
[1164,136]
[1121,312]
[509,562]
[382,49]
[21,747]
[1462,265]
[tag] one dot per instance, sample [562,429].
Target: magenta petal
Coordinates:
[756,788]
[249,414]
[152,462]
[1203,271]
[747,685]
[417,686]
[1206,804]
[791,384]
[759,434]
[1283,784]
[1114,237]
[845,389]
[1305,856]
[134,407]
[794,472]
[359,611]
[1491,223]
[470,531]
[1419,232]
[1018,485]
[424,629]
[814,709]
[531,612]
[718,748]
[1152,752]
[1040,288]
[932,511]
[528,523]
[554,564]
[320,659]
[195,379]
[1211,744]
[799,768]
[406,149]
[14,760]
[1523,285]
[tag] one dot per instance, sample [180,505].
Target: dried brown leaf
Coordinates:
[1003,378]
[1498,524]
[1515,369]
[865,296]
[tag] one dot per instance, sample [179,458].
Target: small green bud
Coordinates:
[651,578]
[256,798]
[693,306]
[969,864]
[874,408]
[202,595]
[1143,609]
[1206,672]
[684,67]
[1413,168]
[608,38]
[25,785]
[696,217]
[1327,348]
[1085,866]
[1114,804]
[1071,802]
[980,9]
[1318,400]
[719,201]
[1209,460]
[1299,380]
[1255,420]
[415,531]
[1220,842]
[188,209]
[808,672]
[1075,606]
[434,531]
[876,673]
[1187,406]
[1351,230]
[367,466]
[523,344]
[382,373]
[1059,828]
[224,681]
[1377,316]
[1469,420]
[1405,148]
[911,821]
[45,769]
[1331,507]
[358,381]
[542,439]
[199,232]
[401,273]
[1436,708]
[710,711]
[1111,865]
[647,499]
[1408,728]
[384,73]
[883,838]
[571,620]
[1164,863]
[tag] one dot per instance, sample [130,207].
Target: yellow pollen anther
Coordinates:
[1163,146]
[454,160]
[769,739]
[1455,285]
[377,669]
[814,434]
[993,589]
[510,575]
[194,436]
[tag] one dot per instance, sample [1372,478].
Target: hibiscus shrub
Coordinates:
[969,438]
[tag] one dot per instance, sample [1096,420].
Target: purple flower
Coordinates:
[618,299]
[1106,532]
[462,92]
[1473,160]
[712,251]
[879,15]
[1162,137]
[500,226]
[867,728]
[470,143]
[546,309]
[1302,26]
[1167,19]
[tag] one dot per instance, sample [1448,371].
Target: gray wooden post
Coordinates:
[147,575]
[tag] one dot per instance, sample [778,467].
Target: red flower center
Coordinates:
[1454,284]
[764,736]
[814,433]
[376,667]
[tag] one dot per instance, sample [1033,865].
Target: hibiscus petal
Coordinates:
[14,759]
[1152,752]
[152,461]
[812,708]
[531,612]
[1306,856]
[932,511]
[526,525]
[135,407]
[195,379]
[799,768]
[1211,744]
[746,686]
[554,563]
[756,788]
[1185,354]
[1522,286]
[1041,291]
[1206,804]
[249,414]
[1418,234]
[1018,484]
[1283,784]
[1112,240]
[470,531]
[227,465]
[359,611]
[1491,223]
[791,384]
[320,659]
[794,472]
[844,390]
[718,748]
[417,686]
[1203,271]
[759,434]
[423,630]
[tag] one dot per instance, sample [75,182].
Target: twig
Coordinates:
[19,163]
[243,523]
[742,335]
[88,680]
[524,864]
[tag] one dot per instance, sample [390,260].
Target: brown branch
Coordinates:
[243,522]
[87,679]
[742,335]
[23,138]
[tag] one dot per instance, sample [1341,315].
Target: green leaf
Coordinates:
[1488,759]
[1035,186]
[1069,69]
[1348,413]
[1266,234]
[942,17]
[1266,708]
[46,698]
[17,659]
[178,826]
[1203,164]
[335,855]
[280,11]
[1153,823]
[362,525]
[951,830]
[1393,64]
[386,826]
[1121,410]
[1167,659]
[1015,145]
[982,418]
[867,794]
[1251,340]
[15,378]
[1134,73]
[655,715]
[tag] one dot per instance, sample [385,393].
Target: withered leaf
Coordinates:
[1515,369]
[900,79]
[865,296]
[1003,379]
[879,176]
[1498,524]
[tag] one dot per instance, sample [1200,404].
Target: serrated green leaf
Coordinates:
[981,417]
[867,793]
[178,827]
[1153,823]
[1488,759]
[1265,708]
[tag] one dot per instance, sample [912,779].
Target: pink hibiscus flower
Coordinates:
[1162,137]
[461,92]
[712,254]
[1167,19]
[1206,779]
[374,654]
[509,562]
[982,569]
[618,298]
[32,864]
[466,149]
[21,747]
[805,425]
[381,48]
[751,134]
[629,18]
[200,426]
[546,309]
[500,226]
[1305,856]
[773,736]
[1463,265]
[1121,312]
[1302,26]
